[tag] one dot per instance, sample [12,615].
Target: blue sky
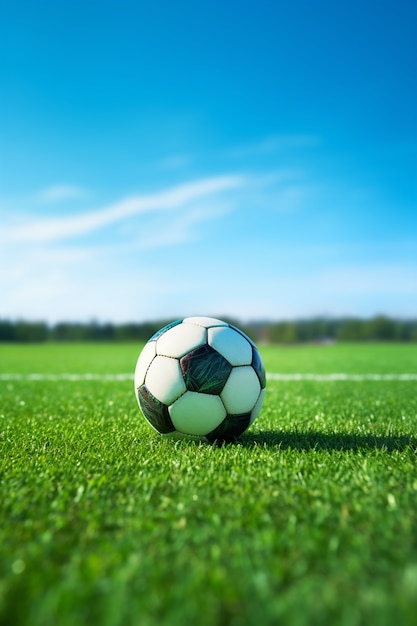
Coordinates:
[255,159]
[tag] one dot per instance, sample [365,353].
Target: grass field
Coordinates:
[310,518]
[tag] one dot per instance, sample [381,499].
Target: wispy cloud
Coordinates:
[175,162]
[182,228]
[58,193]
[59,228]
[274,143]
[127,267]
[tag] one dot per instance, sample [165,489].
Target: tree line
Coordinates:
[320,330]
[377,328]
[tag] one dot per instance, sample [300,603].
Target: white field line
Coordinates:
[341,376]
[269,376]
[67,377]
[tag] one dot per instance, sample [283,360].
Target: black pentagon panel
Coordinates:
[164,330]
[155,411]
[231,427]
[205,370]
[258,366]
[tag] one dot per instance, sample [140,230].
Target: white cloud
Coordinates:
[58,193]
[175,162]
[182,229]
[47,272]
[275,143]
[59,228]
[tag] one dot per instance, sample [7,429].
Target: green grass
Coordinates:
[311,518]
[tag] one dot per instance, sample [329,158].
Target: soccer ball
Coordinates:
[200,378]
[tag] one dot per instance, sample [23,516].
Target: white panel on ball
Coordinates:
[207,322]
[232,345]
[164,379]
[197,413]
[257,407]
[144,359]
[241,391]
[180,339]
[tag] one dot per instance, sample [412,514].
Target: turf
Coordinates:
[310,518]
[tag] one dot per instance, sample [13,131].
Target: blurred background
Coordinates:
[254,160]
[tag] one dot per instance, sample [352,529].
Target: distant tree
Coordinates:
[137,332]
[290,333]
[7,330]
[405,330]
[380,328]
[69,331]
[351,330]
[31,331]
[283,332]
